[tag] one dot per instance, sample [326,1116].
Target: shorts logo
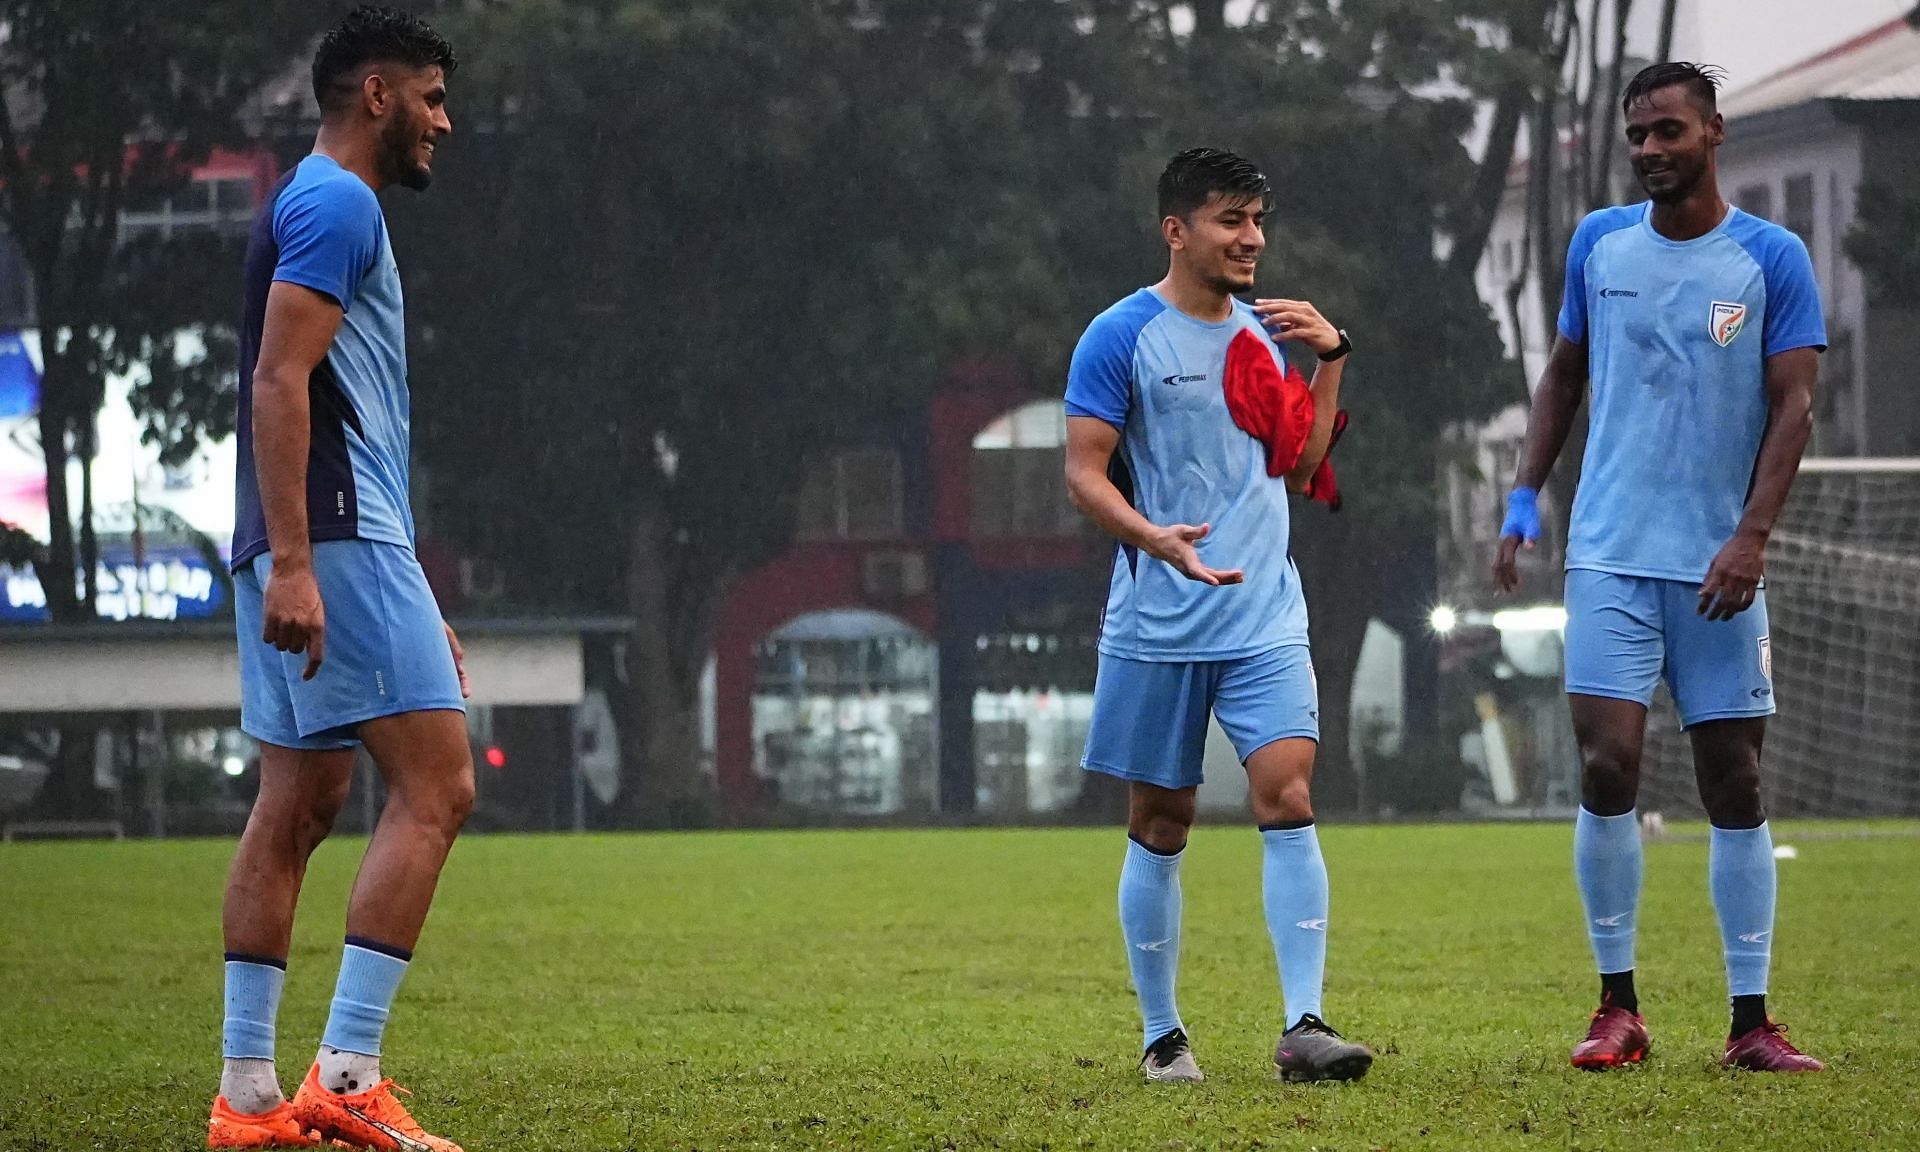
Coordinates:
[1766,658]
[1726,322]
[380,682]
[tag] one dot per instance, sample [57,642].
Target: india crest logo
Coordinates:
[1726,322]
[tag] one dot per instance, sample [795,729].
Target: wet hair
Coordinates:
[1702,82]
[1196,175]
[372,34]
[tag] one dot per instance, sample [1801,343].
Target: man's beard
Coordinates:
[1684,185]
[399,140]
[1228,284]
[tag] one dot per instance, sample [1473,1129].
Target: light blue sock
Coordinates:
[253,1002]
[1293,885]
[1150,922]
[369,977]
[1607,863]
[1740,873]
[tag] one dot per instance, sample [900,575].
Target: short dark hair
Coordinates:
[1702,82]
[1196,175]
[368,34]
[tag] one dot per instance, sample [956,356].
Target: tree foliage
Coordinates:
[106,105]
[683,246]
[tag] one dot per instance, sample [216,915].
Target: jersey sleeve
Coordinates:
[328,232]
[1100,379]
[1573,296]
[1794,316]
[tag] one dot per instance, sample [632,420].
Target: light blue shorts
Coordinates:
[1624,632]
[386,651]
[1150,718]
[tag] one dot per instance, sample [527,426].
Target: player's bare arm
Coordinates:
[1738,568]
[1556,403]
[1299,320]
[299,328]
[1090,447]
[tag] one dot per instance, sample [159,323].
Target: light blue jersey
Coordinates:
[1156,373]
[322,229]
[1677,336]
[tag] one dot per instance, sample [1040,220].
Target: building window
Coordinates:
[843,711]
[1797,214]
[852,495]
[1756,200]
[1019,475]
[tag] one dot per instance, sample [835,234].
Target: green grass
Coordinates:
[966,989]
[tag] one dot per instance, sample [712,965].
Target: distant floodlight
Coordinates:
[233,766]
[1443,619]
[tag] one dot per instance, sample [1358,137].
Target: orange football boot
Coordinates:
[277,1128]
[372,1119]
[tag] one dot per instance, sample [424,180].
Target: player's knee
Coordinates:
[1609,778]
[1732,799]
[437,802]
[1283,801]
[456,801]
[1164,832]
[322,807]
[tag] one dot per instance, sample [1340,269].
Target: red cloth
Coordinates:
[1276,409]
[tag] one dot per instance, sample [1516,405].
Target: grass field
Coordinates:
[967,989]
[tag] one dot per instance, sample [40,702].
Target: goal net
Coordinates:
[1843,597]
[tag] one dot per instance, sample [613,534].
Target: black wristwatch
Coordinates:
[1339,351]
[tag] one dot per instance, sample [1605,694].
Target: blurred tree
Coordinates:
[693,246]
[694,243]
[106,105]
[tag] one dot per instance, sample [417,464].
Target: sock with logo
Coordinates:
[370,974]
[1740,873]
[1607,864]
[247,1077]
[1150,923]
[1293,885]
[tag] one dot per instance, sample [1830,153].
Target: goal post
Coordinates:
[1843,601]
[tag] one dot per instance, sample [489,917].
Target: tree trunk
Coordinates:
[1428,772]
[1663,52]
[662,784]
[1332,564]
[69,792]
[1600,184]
[89,540]
[1514,104]
[62,602]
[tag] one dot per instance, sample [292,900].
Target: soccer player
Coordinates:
[1700,329]
[1179,384]
[341,643]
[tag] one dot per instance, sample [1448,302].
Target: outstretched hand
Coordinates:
[1175,545]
